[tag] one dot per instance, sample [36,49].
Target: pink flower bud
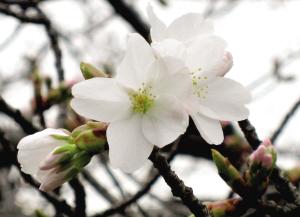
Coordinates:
[264,155]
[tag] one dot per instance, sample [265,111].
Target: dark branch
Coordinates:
[131,16]
[79,192]
[179,189]
[285,120]
[15,114]
[250,133]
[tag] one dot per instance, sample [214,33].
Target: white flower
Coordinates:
[141,104]
[191,39]
[214,98]
[34,154]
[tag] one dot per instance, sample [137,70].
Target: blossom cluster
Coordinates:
[158,87]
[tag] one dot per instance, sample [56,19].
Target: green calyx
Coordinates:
[67,139]
[72,160]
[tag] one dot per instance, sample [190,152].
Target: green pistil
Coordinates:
[142,101]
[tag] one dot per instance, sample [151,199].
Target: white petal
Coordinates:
[33,149]
[225,100]
[224,65]
[51,180]
[158,28]
[134,66]
[205,53]
[105,111]
[101,99]
[189,26]
[165,122]
[128,148]
[169,76]
[226,89]
[209,129]
[30,159]
[169,48]
[41,139]
[106,89]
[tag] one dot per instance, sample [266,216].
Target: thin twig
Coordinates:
[98,187]
[40,19]
[285,120]
[16,115]
[112,176]
[142,192]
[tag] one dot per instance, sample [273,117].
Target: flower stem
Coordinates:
[179,189]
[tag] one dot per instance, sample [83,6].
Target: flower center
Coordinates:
[142,100]
[200,89]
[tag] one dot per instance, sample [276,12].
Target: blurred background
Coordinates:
[262,35]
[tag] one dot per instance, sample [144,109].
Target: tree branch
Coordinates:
[250,133]
[179,189]
[79,192]
[16,115]
[131,16]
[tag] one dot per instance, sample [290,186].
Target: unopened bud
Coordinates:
[88,71]
[92,140]
[264,156]
[222,208]
[260,165]
[89,125]
[62,165]
[227,171]
[90,136]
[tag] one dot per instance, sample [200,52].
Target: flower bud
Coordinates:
[62,165]
[264,156]
[89,125]
[91,136]
[260,165]
[52,157]
[227,171]
[222,208]
[88,71]
[92,140]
